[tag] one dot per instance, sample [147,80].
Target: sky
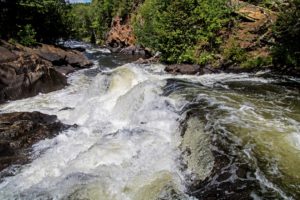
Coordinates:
[80,1]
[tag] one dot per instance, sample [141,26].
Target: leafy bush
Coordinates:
[205,57]
[27,36]
[176,27]
[235,54]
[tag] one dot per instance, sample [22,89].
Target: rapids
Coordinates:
[145,134]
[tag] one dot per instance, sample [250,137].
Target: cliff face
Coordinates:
[121,38]
[121,34]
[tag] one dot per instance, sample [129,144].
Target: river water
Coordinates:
[145,134]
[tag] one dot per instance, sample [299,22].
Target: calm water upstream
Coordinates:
[144,134]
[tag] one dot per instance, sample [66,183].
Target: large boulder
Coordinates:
[19,131]
[26,72]
[6,55]
[27,75]
[58,56]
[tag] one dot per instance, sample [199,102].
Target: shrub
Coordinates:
[235,54]
[27,36]
[258,62]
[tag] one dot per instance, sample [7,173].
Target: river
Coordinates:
[145,134]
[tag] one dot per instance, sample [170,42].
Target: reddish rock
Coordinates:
[120,35]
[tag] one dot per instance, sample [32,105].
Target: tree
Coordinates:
[287,31]
[180,29]
[48,18]
[7,17]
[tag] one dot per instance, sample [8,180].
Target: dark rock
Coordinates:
[27,76]
[80,49]
[65,70]
[208,69]
[6,55]
[135,50]
[151,60]
[66,108]
[60,56]
[184,69]
[19,131]
[77,59]
[25,72]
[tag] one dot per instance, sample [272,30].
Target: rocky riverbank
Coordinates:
[26,72]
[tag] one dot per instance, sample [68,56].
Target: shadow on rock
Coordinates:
[19,131]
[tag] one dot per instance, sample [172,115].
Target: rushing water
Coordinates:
[145,134]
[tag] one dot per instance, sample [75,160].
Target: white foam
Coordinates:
[127,131]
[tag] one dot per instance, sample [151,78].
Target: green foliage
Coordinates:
[235,54]
[82,20]
[49,18]
[95,19]
[12,41]
[176,27]
[27,36]
[287,31]
[205,57]
[257,62]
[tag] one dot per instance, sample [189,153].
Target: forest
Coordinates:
[184,31]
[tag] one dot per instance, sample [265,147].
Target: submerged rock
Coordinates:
[216,172]
[197,154]
[20,130]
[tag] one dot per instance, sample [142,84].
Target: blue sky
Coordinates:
[80,1]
